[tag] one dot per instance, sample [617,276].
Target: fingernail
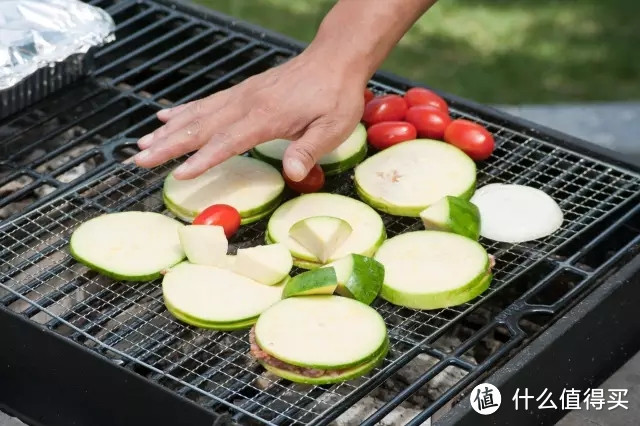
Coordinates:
[144,141]
[182,169]
[141,156]
[295,169]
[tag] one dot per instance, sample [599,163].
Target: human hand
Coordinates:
[310,100]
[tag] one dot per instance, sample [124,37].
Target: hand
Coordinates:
[309,100]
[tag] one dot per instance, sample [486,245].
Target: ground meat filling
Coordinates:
[264,357]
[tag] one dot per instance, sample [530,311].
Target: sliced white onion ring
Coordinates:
[512,213]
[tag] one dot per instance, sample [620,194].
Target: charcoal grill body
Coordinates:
[69,367]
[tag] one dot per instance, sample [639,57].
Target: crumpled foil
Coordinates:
[36,34]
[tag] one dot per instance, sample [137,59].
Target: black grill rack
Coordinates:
[166,55]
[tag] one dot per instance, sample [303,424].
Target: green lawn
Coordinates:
[496,51]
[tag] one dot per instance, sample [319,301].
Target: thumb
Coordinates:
[302,154]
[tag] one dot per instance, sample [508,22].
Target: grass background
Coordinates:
[495,51]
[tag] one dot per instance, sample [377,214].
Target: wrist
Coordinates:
[322,57]
[356,41]
[329,51]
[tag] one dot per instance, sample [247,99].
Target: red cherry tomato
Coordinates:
[421,96]
[429,121]
[312,183]
[220,215]
[388,133]
[368,95]
[384,108]
[476,141]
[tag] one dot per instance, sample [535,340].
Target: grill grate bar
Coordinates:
[114,311]
[143,31]
[145,352]
[56,322]
[119,25]
[89,133]
[382,412]
[573,229]
[609,231]
[33,283]
[462,384]
[52,297]
[167,53]
[37,182]
[624,250]
[33,260]
[206,376]
[211,67]
[133,326]
[190,58]
[26,129]
[228,76]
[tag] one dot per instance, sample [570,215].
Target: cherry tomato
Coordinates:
[368,95]
[221,215]
[312,183]
[429,121]
[421,96]
[384,108]
[476,141]
[388,133]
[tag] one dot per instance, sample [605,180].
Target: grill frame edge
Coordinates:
[590,365]
[102,391]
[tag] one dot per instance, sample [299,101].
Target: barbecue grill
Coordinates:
[79,348]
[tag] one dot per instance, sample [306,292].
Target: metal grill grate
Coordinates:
[128,323]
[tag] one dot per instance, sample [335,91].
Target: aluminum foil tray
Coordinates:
[46,45]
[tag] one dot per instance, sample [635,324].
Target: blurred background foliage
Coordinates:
[495,51]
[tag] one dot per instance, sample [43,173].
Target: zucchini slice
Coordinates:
[321,235]
[268,264]
[215,296]
[367,234]
[346,156]
[316,281]
[325,332]
[204,244]
[251,186]
[128,246]
[220,326]
[433,269]
[408,177]
[453,214]
[303,264]
[359,277]
[344,375]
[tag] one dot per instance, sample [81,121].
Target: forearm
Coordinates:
[357,35]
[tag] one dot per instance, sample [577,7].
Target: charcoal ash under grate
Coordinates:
[37,192]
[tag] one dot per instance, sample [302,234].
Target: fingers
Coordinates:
[177,144]
[301,155]
[188,138]
[239,138]
[166,114]
[180,116]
